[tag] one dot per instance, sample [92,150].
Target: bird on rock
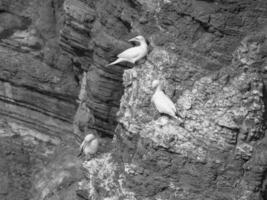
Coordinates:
[162,102]
[133,54]
[89,146]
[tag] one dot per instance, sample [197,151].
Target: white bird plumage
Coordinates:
[162,102]
[133,54]
[89,145]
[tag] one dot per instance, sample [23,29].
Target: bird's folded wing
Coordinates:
[164,99]
[168,101]
[130,53]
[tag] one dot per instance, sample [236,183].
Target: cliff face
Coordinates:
[211,58]
[210,55]
[37,101]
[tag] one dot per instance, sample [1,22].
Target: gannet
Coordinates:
[133,54]
[89,146]
[162,102]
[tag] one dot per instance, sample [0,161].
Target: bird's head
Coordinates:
[138,38]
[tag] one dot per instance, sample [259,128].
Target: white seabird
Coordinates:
[89,146]
[133,54]
[162,102]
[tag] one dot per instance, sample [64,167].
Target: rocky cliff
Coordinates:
[38,90]
[210,55]
[55,86]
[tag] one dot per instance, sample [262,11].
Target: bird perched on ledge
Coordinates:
[133,54]
[162,102]
[89,146]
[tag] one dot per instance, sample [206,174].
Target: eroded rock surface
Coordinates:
[38,89]
[211,57]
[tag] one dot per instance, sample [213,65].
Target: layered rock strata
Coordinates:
[38,89]
[87,40]
[211,57]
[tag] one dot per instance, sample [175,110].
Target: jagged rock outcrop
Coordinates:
[87,40]
[38,89]
[211,56]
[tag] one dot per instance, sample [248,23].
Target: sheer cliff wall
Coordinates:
[211,57]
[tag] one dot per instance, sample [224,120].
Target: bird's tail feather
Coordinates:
[117,61]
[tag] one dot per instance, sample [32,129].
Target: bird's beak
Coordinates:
[133,40]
